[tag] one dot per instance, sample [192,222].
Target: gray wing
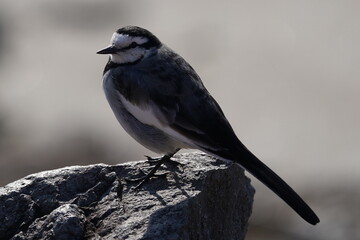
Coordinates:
[177,98]
[188,107]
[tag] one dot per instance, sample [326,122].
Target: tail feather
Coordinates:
[268,177]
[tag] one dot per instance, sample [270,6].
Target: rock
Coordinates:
[199,198]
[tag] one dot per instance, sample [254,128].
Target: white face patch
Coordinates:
[121,40]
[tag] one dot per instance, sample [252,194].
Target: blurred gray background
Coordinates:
[286,74]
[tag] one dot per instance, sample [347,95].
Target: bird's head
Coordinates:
[130,44]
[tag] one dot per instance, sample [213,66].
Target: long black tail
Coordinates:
[262,172]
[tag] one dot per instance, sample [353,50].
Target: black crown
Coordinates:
[135,31]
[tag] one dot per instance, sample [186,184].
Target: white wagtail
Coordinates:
[161,102]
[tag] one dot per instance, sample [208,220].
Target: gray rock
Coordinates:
[198,198]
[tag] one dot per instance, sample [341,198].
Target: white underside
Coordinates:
[146,115]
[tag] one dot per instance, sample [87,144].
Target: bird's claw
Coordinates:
[158,159]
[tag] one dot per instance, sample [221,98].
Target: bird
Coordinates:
[162,103]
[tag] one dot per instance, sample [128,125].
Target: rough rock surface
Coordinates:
[199,198]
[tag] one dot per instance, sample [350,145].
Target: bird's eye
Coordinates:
[132,45]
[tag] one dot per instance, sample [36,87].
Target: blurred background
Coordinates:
[286,74]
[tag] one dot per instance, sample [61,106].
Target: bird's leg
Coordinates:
[159,162]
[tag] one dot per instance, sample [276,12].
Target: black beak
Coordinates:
[108,50]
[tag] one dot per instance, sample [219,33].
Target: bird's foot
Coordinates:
[144,179]
[157,159]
